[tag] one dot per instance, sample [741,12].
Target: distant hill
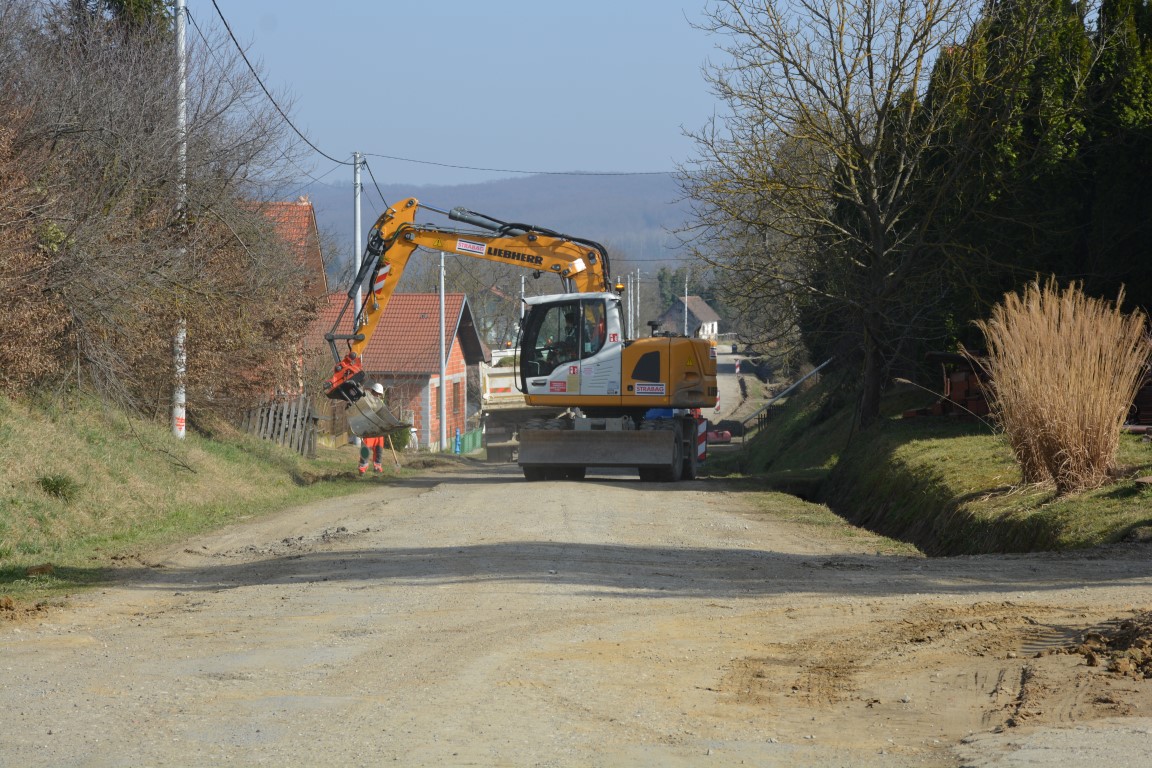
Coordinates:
[632,216]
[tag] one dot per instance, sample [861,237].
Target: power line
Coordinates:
[425,162]
[316,179]
[267,93]
[397,158]
[283,154]
[654,259]
[383,200]
[537,173]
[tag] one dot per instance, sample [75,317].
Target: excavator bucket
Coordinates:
[369,417]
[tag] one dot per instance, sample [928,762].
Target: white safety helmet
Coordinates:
[378,388]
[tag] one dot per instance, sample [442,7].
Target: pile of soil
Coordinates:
[1125,648]
[12,610]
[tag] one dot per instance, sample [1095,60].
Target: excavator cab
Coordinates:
[562,333]
[570,347]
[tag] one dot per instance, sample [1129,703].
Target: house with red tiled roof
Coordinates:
[404,355]
[296,226]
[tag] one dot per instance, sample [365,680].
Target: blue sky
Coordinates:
[511,85]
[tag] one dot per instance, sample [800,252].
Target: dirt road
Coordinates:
[468,618]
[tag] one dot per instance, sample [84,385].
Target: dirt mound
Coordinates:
[439,461]
[1124,648]
[14,610]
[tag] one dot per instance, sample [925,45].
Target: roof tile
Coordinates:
[296,225]
[407,337]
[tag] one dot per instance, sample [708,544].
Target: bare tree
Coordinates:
[122,260]
[806,193]
[33,339]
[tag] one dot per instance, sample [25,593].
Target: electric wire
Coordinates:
[383,201]
[379,192]
[268,93]
[317,179]
[655,259]
[319,151]
[514,170]
[283,153]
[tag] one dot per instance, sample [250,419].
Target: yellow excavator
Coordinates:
[632,403]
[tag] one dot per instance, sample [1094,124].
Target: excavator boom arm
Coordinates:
[581,264]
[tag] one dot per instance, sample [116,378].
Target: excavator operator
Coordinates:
[582,335]
[568,349]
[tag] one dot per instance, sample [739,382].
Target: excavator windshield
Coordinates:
[562,332]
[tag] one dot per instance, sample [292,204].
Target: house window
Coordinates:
[456,398]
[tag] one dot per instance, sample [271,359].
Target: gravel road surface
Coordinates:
[468,618]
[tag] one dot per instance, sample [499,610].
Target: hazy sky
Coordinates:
[510,85]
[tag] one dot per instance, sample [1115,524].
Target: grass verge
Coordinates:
[83,487]
[946,485]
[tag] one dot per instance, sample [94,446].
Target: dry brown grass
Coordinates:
[1064,369]
[82,486]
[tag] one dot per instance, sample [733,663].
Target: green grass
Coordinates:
[62,486]
[82,486]
[787,508]
[946,485]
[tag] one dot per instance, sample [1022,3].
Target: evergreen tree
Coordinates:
[133,16]
[1120,243]
[1020,131]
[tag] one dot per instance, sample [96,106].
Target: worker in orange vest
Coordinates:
[373,447]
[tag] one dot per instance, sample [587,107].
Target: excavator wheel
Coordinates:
[535,474]
[650,474]
[672,472]
[675,472]
[691,462]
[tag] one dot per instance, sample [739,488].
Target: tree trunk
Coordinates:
[872,382]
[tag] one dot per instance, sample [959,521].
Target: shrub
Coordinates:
[61,486]
[1064,369]
[399,439]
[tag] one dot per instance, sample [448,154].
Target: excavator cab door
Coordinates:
[571,347]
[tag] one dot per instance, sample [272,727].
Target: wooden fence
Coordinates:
[290,423]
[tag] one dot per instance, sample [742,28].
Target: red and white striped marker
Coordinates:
[381,278]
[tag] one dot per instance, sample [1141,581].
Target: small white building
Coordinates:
[703,322]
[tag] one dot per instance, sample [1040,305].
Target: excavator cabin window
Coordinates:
[563,333]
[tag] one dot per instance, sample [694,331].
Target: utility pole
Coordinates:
[631,299]
[633,305]
[636,306]
[356,255]
[180,342]
[443,365]
[685,302]
[628,306]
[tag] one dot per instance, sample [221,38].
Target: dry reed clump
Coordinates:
[1064,369]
